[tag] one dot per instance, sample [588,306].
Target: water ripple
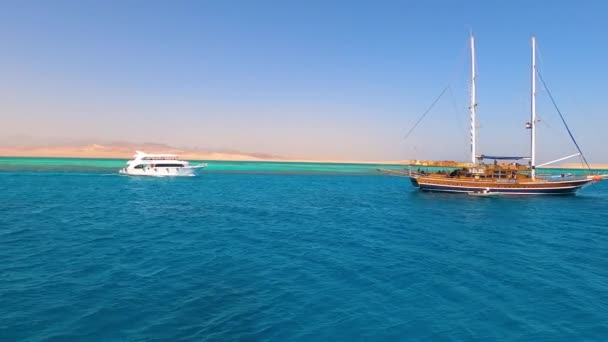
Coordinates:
[232,256]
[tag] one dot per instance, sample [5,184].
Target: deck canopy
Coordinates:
[154,156]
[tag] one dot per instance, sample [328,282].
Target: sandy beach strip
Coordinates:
[127,152]
[98,151]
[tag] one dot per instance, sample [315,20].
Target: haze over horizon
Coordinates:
[314,80]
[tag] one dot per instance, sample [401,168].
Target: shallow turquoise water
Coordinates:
[112,165]
[94,256]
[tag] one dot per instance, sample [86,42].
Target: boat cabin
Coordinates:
[141,166]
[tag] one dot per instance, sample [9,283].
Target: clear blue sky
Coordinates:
[341,79]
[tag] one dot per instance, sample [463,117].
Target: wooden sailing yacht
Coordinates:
[480,178]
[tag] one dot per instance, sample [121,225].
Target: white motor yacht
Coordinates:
[159,165]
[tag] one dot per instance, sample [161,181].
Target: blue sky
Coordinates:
[316,79]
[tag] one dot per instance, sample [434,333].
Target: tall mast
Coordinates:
[533,119]
[473,107]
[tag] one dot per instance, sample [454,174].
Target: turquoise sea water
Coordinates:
[111,165]
[315,255]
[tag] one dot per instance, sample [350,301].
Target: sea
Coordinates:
[251,251]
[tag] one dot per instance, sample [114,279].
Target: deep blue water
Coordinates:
[270,257]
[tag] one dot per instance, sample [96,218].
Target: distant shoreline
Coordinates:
[270,160]
[100,152]
[127,152]
[257,160]
[594,166]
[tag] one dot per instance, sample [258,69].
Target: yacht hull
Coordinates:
[160,172]
[507,188]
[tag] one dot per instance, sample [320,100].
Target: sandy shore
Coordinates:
[600,166]
[127,152]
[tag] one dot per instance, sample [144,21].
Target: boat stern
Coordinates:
[414,181]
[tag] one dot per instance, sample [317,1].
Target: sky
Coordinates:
[308,79]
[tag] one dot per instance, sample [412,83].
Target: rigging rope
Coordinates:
[454,106]
[426,112]
[461,56]
[563,120]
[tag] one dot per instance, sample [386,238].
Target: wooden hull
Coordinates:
[569,187]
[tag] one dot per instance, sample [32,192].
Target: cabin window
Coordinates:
[169,165]
[500,174]
[140,166]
